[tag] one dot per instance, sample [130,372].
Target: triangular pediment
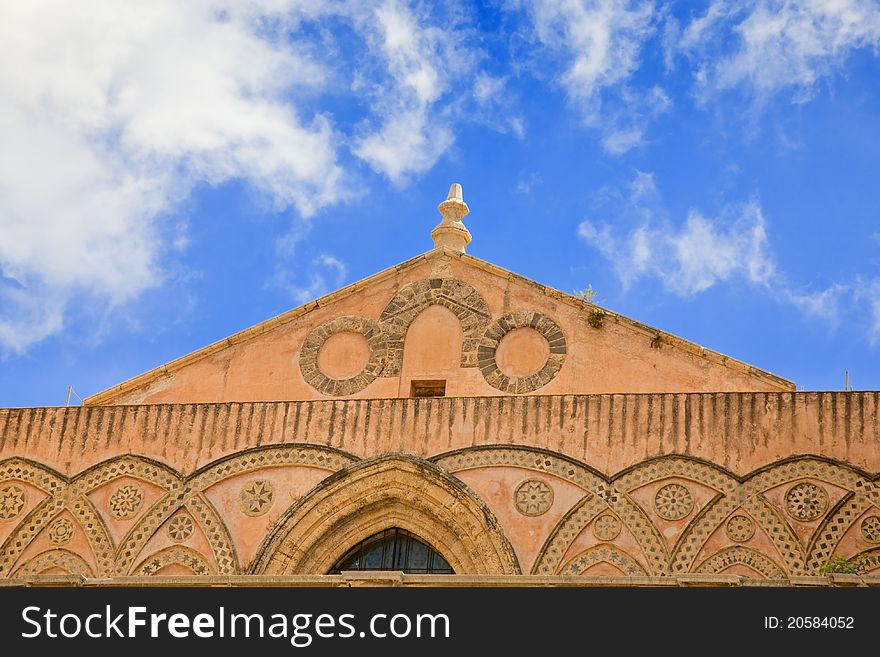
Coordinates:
[442,323]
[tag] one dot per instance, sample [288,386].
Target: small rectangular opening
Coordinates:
[431,388]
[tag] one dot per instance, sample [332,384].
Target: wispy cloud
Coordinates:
[768,46]
[424,61]
[325,274]
[868,292]
[698,253]
[597,46]
[495,105]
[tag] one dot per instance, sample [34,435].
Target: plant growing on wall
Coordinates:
[595,318]
[842,565]
[597,315]
[587,295]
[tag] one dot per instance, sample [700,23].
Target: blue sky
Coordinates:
[171,173]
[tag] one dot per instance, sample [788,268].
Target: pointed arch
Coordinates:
[760,563]
[868,560]
[381,493]
[603,553]
[175,555]
[58,558]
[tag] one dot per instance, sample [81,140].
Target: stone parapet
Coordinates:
[741,432]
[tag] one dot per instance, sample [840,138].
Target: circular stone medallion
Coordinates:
[533,497]
[61,531]
[180,528]
[13,499]
[551,361]
[871,529]
[606,527]
[673,502]
[256,498]
[739,528]
[125,502]
[330,353]
[806,501]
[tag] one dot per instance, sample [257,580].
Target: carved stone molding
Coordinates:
[308,356]
[486,354]
[462,299]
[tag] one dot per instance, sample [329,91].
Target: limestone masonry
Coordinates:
[446,421]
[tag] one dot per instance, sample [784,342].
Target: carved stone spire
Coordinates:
[450,232]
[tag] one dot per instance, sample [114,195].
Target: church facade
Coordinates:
[446,422]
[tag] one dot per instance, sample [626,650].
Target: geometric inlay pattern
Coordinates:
[533,497]
[806,501]
[61,531]
[739,508]
[607,553]
[501,327]
[179,493]
[57,558]
[673,502]
[125,501]
[732,556]
[606,527]
[178,554]
[256,497]
[871,529]
[739,528]
[180,528]
[13,499]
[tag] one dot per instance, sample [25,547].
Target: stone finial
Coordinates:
[450,232]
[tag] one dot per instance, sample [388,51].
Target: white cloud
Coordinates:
[326,273]
[868,292]
[602,40]
[700,253]
[600,43]
[423,63]
[707,251]
[494,105]
[111,116]
[526,182]
[688,259]
[776,46]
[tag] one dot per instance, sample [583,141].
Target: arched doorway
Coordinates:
[394,549]
[380,494]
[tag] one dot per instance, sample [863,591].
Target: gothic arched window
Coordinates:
[394,549]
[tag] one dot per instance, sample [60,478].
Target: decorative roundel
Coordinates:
[673,502]
[806,501]
[13,499]
[180,528]
[533,497]
[256,497]
[486,352]
[125,501]
[61,531]
[606,527]
[739,528]
[308,356]
[871,529]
